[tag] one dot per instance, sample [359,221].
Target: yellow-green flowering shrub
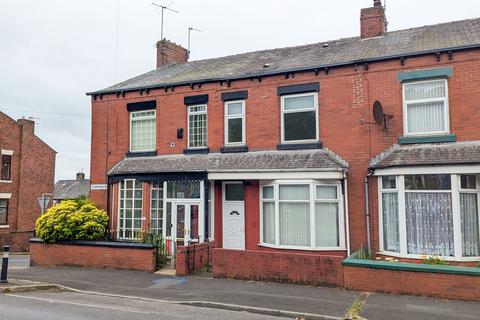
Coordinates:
[72,220]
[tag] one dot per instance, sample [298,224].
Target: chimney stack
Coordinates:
[373,22]
[169,52]
[80,176]
[27,125]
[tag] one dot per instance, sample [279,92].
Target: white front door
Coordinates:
[233,216]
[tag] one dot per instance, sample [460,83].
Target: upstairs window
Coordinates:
[6,167]
[197,126]
[235,123]
[299,118]
[142,131]
[3,212]
[425,107]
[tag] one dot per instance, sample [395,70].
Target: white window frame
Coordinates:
[188,124]
[160,199]
[236,116]
[283,111]
[312,185]
[123,236]
[154,117]
[457,228]
[444,100]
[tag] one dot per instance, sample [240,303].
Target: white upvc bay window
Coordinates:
[130,206]
[299,119]
[425,108]
[142,131]
[305,215]
[430,214]
[235,123]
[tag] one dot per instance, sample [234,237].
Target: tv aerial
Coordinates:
[163,8]
[378,115]
[190,29]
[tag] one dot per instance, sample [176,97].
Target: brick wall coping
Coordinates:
[112,244]
[414,267]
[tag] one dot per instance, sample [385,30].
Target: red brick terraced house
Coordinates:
[300,153]
[27,172]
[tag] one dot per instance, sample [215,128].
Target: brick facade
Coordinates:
[346,97]
[32,174]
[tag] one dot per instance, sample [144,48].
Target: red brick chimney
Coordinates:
[169,52]
[373,22]
[27,125]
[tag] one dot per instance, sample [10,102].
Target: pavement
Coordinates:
[257,297]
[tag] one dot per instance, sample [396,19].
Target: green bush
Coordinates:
[76,219]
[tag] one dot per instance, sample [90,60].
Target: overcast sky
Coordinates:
[53,51]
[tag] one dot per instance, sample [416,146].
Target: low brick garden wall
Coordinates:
[94,254]
[193,258]
[445,282]
[278,266]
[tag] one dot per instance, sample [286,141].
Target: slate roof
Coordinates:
[429,154]
[71,189]
[458,34]
[262,161]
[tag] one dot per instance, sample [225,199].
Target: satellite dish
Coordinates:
[378,114]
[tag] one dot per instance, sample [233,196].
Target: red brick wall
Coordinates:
[32,173]
[346,96]
[193,258]
[51,255]
[278,266]
[443,286]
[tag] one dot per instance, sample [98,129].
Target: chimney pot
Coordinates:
[80,176]
[373,21]
[169,52]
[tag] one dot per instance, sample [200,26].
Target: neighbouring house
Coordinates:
[286,158]
[71,189]
[27,173]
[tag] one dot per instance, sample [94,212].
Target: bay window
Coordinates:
[156,208]
[303,215]
[130,209]
[425,107]
[197,126]
[235,123]
[299,119]
[142,131]
[430,214]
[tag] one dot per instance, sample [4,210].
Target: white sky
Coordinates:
[53,51]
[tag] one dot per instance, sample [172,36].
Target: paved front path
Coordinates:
[315,300]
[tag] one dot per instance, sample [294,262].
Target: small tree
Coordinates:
[77,219]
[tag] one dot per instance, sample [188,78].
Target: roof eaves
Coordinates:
[308,68]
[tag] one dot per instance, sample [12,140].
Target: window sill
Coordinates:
[420,257]
[132,154]
[5,181]
[299,146]
[196,151]
[412,267]
[234,149]
[4,226]
[427,139]
[266,245]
